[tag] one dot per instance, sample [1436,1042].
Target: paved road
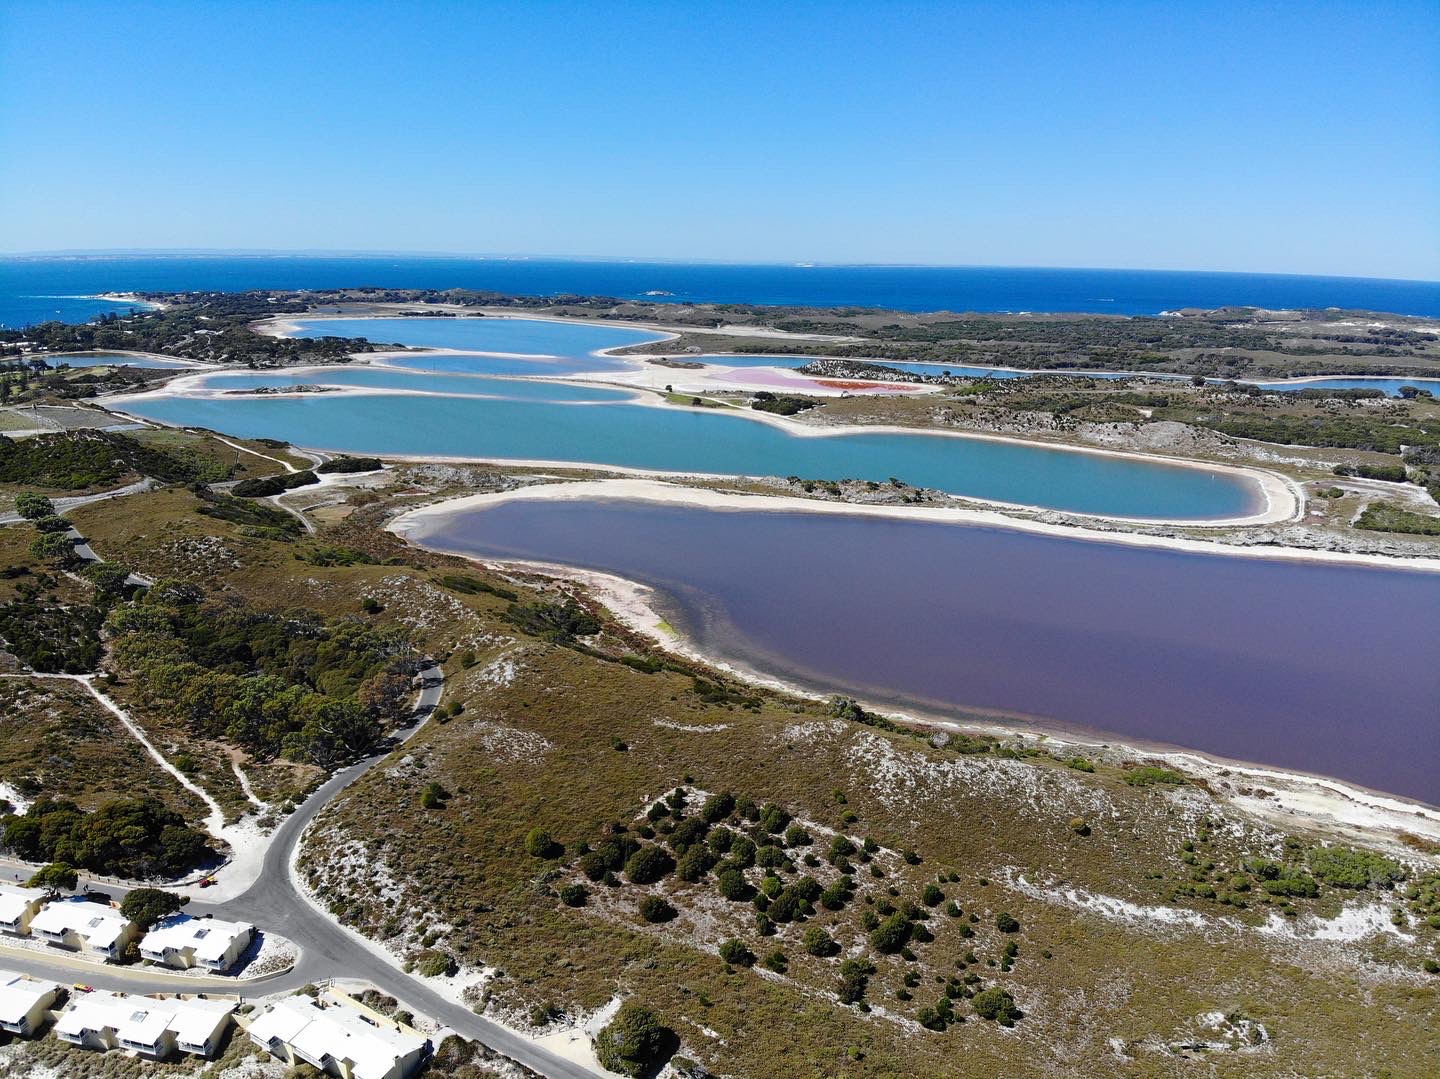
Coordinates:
[327,949]
[63,504]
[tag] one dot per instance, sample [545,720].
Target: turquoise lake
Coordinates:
[551,422]
[602,427]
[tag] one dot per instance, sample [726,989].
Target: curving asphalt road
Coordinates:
[327,949]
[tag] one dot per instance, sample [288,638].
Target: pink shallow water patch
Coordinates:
[758,376]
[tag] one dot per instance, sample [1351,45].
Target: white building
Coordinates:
[24,1003]
[17,907]
[79,924]
[183,941]
[338,1040]
[158,1028]
[151,1027]
[92,1019]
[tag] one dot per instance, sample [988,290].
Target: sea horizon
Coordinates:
[40,287]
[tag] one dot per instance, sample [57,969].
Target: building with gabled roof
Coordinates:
[183,941]
[81,925]
[18,906]
[338,1040]
[25,1002]
[152,1027]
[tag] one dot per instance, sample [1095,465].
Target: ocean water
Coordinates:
[35,289]
[1323,668]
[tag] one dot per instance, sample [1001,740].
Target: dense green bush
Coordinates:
[891,935]
[997,1004]
[1344,867]
[647,865]
[734,952]
[654,908]
[632,1042]
[541,844]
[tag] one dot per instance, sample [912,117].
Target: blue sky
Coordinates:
[1298,137]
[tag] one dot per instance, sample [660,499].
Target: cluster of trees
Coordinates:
[259,519]
[44,633]
[213,327]
[725,837]
[266,486]
[783,404]
[289,684]
[75,460]
[128,837]
[346,464]
[557,622]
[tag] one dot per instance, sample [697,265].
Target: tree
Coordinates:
[654,908]
[892,934]
[818,942]
[632,1042]
[854,977]
[146,906]
[55,878]
[32,506]
[733,885]
[110,580]
[53,523]
[1007,922]
[647,865]
[694,864]
[932,895]
[54,547]
[997,1004]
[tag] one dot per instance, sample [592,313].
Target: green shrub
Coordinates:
[1007,922]
[996,1004]
[734,952]
[540,844]
[632,1042]
[1149,776]
[655,909]
[1344,867]
[817,942]
[891,935]
[574,895]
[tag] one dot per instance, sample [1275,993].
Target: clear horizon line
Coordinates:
[266,252]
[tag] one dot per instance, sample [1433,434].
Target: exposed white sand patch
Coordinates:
[696,728]
[500,672]
[1106,906]
[18,802]
[1359,920]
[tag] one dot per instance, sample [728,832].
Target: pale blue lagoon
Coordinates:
[679,440]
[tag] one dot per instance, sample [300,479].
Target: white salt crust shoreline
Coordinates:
[1295,797]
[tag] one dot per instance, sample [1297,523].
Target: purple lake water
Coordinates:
[1318,667]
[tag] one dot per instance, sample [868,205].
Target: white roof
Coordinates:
[192,1021]
[211,938]
[93,1012]
[337,1032]
[18,994]
[101,926]
[14,902]
[195,1021]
